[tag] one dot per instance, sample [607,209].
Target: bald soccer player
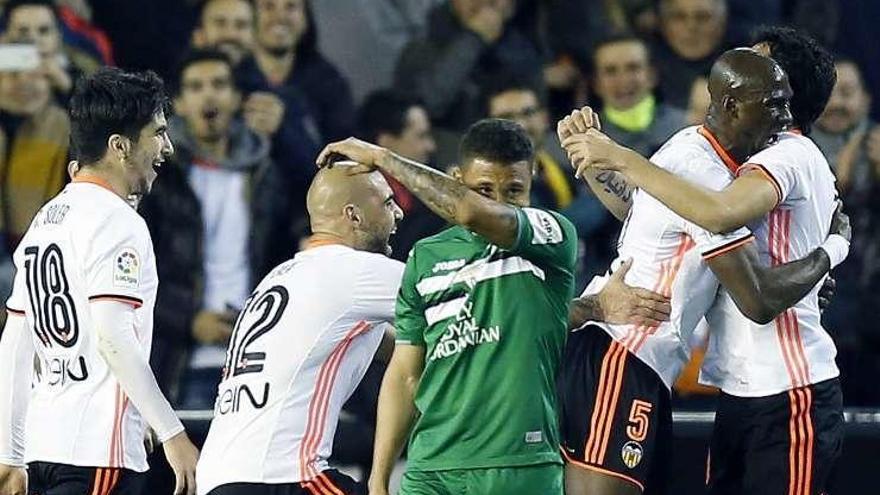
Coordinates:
[302,344]
[620,446]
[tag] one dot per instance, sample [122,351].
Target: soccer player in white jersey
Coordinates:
[82,303]
[620,449]
[779,423]
[302,343]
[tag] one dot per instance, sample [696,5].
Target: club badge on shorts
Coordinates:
[631,454]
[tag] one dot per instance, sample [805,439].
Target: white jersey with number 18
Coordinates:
[301,345]
[85,244]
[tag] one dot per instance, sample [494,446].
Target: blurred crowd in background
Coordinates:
[258,87]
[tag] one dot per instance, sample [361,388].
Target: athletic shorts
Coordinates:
[615,413]
[782,444]
[543,479]
[47,478]
[329,482]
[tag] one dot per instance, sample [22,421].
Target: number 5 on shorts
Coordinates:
[637,429]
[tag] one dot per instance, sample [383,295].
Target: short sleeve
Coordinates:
[116,259]
[410,322]
[710,244]
[545,238]
[778,164]
[378,287]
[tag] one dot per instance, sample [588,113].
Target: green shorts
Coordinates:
[540,479]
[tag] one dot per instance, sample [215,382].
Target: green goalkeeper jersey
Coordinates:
[493,323]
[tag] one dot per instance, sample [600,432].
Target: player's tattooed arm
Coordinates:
[620,304]
[444,195]
[612,189]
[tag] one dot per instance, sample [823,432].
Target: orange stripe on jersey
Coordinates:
[110,483]
[16,312]
[728,160]
[808,445]
[329,485]
[580,464]
[760,169]
[726,248]
[93,180]
[320,399]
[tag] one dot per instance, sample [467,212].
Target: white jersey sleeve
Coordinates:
[376,293]
[776,165]
[114,262]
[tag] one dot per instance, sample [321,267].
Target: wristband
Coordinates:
[837,248]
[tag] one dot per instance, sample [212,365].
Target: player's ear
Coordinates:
[120,146]
[353,214]
[730,105]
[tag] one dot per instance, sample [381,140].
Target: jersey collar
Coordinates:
[94,180]
[728,160]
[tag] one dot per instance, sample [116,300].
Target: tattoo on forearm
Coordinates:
[584,309]
[615,185]
[440,192]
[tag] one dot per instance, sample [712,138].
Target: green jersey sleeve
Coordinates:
[409,315]
[546,238]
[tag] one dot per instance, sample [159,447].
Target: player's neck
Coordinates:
[727,140]
[216,149]
[324,238]
[100,176]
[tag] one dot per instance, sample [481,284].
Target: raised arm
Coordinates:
[445,196]
[612,189]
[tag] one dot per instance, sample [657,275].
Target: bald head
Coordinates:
[749,101]
[743,73]
[349,202]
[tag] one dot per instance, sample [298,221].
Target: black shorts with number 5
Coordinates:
[616,417]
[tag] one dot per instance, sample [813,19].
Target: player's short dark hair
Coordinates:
[13,5]
[384,112]
[112,101]
[496,140]
[198,55]
[506,81]
[810,69]
[618,37]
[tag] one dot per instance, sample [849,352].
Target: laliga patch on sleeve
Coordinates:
[545,227]
[127,269]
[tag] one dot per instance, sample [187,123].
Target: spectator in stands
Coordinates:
[34,139]
[468,43]
[400,123]
[624,78]
[37,22]
[845,133]
[228,26]
[692,36]
[286,61]
[216,213]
